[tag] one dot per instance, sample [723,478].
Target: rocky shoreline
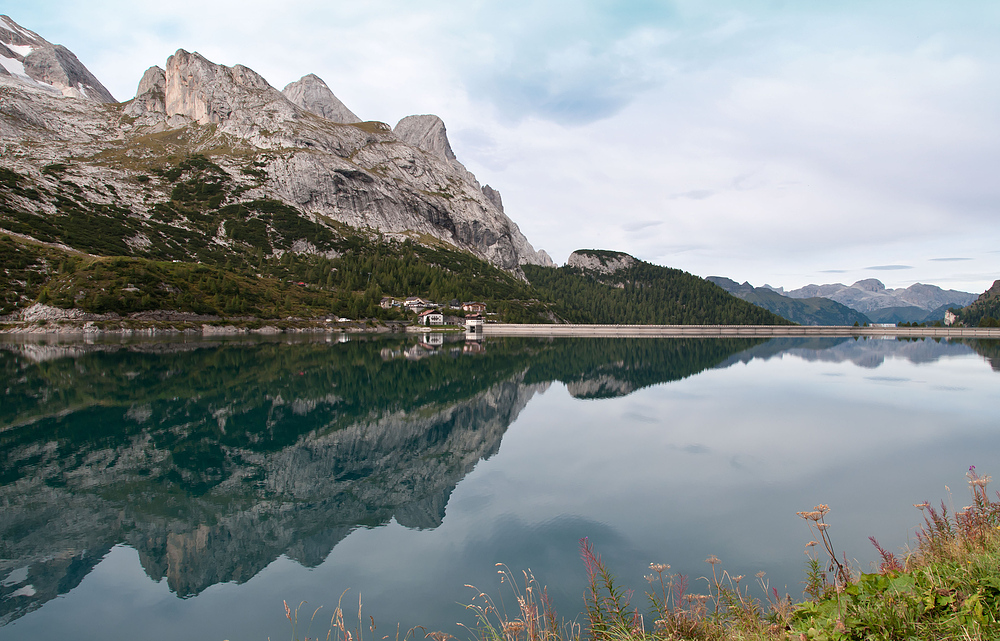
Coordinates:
[45,319]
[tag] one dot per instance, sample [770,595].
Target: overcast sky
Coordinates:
[781,142]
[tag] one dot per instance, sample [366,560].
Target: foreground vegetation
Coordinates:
[947,587]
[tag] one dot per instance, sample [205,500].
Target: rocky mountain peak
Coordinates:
[313,95]
[151,94]
[425,132]
[31,59]
[493,196]
[869,285]
[209,93]
[603,262]
[154,80]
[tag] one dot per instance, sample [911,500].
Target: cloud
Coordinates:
[834,271]
[641,225]
[949,260]
[888,268]
[696,194]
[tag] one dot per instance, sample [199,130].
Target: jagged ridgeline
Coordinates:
[211,167]
[212,459]
[598,286]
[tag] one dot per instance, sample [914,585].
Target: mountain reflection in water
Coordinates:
[212,459]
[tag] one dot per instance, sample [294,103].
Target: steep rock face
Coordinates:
[603,262]
[209,93]
[360,174]
[312,94]
[27,56]
[493,196]
[151,95]
[425,132]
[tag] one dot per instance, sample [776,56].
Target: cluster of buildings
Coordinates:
[429,313]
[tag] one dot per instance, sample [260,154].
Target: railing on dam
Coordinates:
[676,331]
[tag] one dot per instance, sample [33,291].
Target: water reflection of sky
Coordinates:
[717,463]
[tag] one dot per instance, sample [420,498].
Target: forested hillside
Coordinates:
[985,311]
[641,293]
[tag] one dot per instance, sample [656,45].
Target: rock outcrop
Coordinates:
[312,94]
[603,262]
[425,132]
[29,58]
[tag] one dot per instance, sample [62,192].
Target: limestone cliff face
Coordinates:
[305,151]
[312,94]
[425,132]
[31,59]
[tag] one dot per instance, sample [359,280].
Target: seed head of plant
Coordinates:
[513,628]
[713,560]
[658,567]
[922,506]
[822,526]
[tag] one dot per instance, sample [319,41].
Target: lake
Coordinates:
[184,489]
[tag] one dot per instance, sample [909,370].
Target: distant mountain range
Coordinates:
[866,301]
[804,311]
[870,295]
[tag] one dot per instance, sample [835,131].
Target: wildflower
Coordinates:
[822,526]
[658,567]
[713,560]
[922,506]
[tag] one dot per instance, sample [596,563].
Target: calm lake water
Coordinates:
[183,490]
